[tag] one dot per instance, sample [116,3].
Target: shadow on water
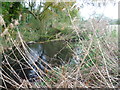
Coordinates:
[17,65]
[57,52]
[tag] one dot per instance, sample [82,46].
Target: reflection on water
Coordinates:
[57,52]
[54,52]
[37,54]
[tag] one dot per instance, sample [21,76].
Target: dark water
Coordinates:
[54,52]
[57,52]
[36,54]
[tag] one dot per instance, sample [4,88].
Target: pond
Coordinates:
[24,61]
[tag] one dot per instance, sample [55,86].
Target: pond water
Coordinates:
[19,63]
[57,52]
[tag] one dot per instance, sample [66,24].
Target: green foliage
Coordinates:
[118,22]
[11,10]
[114,34]
[53,19]
[42,23]
[114,21]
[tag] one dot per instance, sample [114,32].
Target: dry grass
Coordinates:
[95,62]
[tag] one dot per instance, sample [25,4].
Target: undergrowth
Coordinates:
[94,63]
